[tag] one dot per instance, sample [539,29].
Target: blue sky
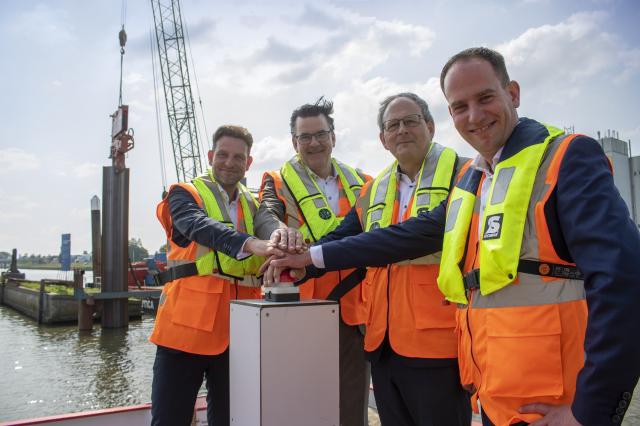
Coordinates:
[578,64]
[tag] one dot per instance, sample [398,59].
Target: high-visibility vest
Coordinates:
[521,333]
[307,209]
[312,204]
[193,315]
[216,209]
[405,300]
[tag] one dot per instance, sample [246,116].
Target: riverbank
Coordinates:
[53,266]
[49,308]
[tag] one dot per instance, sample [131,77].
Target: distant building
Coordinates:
[626,171]
[83,258]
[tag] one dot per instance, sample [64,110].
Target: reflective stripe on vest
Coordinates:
[318,217]
[432,189]
[216,209]
[503,221]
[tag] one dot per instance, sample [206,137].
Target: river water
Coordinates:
[47,370]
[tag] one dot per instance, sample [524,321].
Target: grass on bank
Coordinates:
[53,265]
[56,288]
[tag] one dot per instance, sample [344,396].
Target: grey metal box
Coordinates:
[283,363]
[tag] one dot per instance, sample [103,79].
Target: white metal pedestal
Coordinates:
[283,360]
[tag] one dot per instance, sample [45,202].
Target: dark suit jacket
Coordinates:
[271,212]
[591,226]
[191,223]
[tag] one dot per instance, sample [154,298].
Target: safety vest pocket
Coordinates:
[524,356]
[197,303]
[430,310]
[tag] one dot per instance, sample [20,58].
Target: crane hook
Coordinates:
[122,36]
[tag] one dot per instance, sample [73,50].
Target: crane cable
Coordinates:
[122,37]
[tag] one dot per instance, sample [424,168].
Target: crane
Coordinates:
[177,88]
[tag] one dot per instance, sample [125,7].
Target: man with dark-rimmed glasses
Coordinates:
[410,338]
[302,202]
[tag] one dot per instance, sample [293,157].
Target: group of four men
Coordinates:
[507,279]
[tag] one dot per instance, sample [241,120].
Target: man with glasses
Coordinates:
[539,253]
[410,338]
[303,201]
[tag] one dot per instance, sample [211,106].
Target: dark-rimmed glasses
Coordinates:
[412,120]
[321,136]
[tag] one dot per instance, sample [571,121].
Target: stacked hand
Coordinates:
[282,241]
[288,240]
[289,251]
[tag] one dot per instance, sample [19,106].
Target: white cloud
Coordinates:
[339,53]
[16,207]
[85,170]
[56,83]
[17,160]
[133,80]
[630,60]
[43,25]
[268,154]
[564,57]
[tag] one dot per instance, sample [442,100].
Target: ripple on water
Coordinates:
[57,370]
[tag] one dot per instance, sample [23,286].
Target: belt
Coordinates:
[471,279]
[175,272]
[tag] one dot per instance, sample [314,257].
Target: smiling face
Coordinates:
[407,144]
[315,154]
[482,108]
[230,160]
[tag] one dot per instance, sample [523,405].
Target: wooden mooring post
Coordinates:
[86,307]
[41,300]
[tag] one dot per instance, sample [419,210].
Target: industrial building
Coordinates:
[626,171]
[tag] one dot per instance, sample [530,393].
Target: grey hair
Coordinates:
[415,98]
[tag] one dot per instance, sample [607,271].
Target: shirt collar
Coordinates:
[403,177]
[332,176]
[225,196]
[480,163]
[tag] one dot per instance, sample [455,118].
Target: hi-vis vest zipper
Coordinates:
[503,222]
[431,190]
[209,261]
[318,217]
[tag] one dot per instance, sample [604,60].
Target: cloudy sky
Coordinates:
[578,64]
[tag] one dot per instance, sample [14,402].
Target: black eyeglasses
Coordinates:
[412,120]
[321,136]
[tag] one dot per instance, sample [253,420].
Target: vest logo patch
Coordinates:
[493,227]
[324,214]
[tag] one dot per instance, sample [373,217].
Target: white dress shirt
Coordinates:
[329,188]
[406,188]
[481,164]
[232,208]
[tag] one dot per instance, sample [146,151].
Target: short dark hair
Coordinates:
[495,59]
[321,107]
[415,98]
[237,132]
